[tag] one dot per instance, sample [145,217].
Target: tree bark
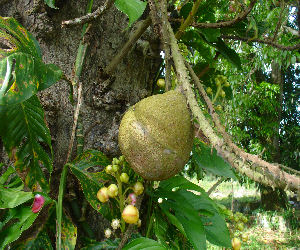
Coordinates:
[103,103]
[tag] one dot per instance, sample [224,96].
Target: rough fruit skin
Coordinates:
[130,214]
[156,135]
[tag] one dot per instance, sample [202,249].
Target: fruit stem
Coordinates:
[217,94]
[121,199]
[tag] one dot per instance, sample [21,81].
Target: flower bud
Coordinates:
[209,91]
[109,169]
[132,198]
[236,244]
[130,214]
[38,203]
[112,190]
[107,233]
[138,188]
[139,223]
[115,161]
[115,224]
[161,83]
[124,177]
[102,194]
[227,84]
[122,159]
[115,168]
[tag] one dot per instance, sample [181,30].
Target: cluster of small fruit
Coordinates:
[236,225]
[221,81]
[118,191]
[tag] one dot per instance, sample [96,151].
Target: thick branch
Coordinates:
[271,175]
[129,44]
[273,44]
[90,16]
[273,172]
[239,18]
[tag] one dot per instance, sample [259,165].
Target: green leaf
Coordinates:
[41,241]
[210,161]
[160,228]
[228,53]
[22,218]
[27,139]
[106,244]
[22,72]
[144,243]
[69,233]
[132,8]
[50,3]
[12,198]
[211,35]
[91,182]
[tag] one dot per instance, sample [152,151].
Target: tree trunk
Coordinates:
[275,199]
[103,105]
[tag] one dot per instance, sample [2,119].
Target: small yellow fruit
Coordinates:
[124,178]
[138,188]
[102,195]
[209,91]
[112,190]
[130,214]
[161,83]
[236,244]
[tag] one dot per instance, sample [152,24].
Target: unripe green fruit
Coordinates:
[219,108]
[223,94]
[156,135]
[124,178]
[240,226]
[236,244]
[130,214]
[138,188]
[209,91]
[102,195]
[112,190]
[161,83]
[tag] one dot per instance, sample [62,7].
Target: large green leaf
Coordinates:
[132,8]
[91,182]
[144,243]
[22,218]
[41,241]
[208,159]
[22,72]
[27,139]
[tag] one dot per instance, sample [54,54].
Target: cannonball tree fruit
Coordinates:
[102,195]
[112,190]
[156,135]
[236,244]
[130,214]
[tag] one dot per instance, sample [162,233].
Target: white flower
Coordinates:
[115,224]
[107,233]
[160,200]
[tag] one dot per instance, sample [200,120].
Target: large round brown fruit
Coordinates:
[156,135]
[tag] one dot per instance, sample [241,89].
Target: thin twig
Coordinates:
[76,114]
[263,41]
[90,16]
[239,18]
[215,186]
[129,44]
